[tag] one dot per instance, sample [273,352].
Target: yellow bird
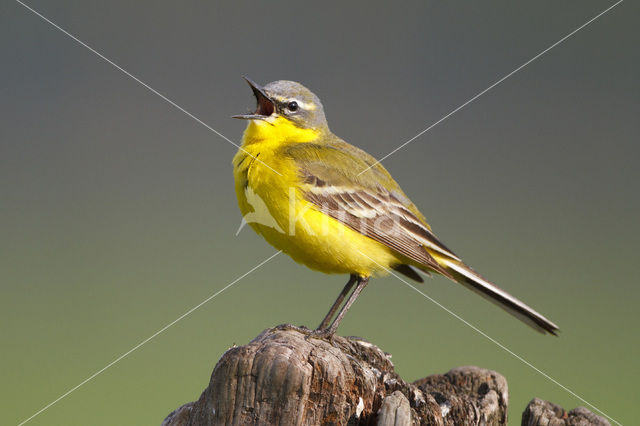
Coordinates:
[333,208]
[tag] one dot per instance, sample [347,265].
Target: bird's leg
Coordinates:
[327,319]
[329,331]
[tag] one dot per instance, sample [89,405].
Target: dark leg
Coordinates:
[327,319]
[329,331]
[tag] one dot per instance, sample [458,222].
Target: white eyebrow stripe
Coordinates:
[304,105]
[301,104]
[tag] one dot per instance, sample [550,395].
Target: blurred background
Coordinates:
[118,212]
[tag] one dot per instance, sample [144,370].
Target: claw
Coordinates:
[302,329]
[323,334]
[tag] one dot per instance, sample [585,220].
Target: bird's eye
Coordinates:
[292,106]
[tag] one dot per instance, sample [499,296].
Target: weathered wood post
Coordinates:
[284,377]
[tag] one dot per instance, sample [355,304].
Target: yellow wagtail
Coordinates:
[332,207]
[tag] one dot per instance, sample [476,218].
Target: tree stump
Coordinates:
[284,377]
[545,413]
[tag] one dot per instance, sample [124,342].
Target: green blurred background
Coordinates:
[118,212]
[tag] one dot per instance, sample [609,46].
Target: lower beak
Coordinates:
[249,116]
[265,107]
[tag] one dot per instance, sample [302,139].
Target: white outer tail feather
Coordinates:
[494,294]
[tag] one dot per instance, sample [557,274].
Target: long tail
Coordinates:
[485,288]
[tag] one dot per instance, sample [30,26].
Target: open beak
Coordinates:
[265,107]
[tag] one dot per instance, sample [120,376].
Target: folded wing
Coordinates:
[373,204]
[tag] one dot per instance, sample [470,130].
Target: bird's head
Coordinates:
[289,107]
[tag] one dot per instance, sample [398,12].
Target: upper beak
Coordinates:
[265,107]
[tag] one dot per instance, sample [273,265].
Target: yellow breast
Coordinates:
[269,194]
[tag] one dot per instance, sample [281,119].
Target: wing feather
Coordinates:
[371,203]
[335,206]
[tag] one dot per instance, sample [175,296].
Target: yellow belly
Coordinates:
[324,244]
[273,206]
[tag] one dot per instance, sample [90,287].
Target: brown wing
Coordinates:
[379,215]
[372,203]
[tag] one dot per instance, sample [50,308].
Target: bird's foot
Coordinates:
[301,329]
[321,333]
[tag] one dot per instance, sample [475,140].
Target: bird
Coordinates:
[332,207]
